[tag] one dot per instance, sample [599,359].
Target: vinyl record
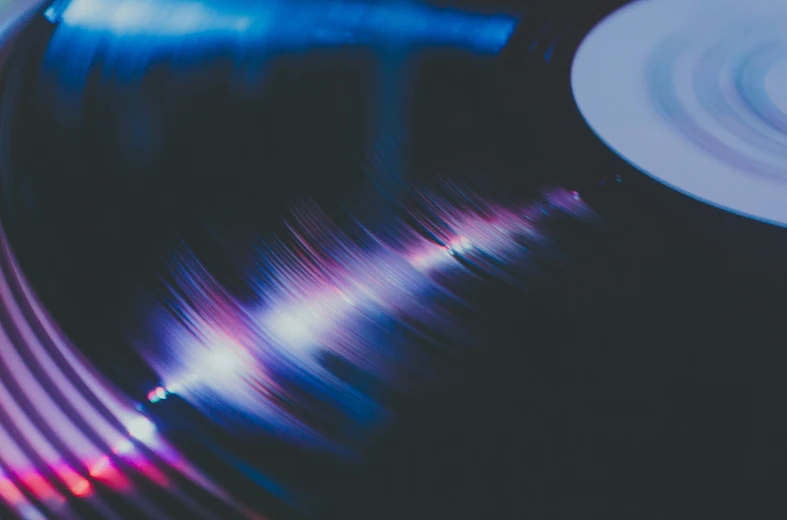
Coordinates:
[371,261]
[293,265]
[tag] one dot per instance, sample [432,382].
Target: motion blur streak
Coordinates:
[323,296]
[278,24]
[70,444]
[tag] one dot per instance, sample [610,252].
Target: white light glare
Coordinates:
[141,429]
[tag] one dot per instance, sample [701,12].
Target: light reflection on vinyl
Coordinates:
[68,438]
[695,95]
[331,299]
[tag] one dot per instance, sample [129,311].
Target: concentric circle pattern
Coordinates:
[72,446]
[695,95]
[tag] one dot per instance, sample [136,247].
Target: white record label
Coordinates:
[694,94]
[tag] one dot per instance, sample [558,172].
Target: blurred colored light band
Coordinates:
[277,24]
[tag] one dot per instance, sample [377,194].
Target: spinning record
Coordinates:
[694,95]
[356,260]
[298,266]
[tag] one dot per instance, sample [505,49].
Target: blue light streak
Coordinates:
[275,24]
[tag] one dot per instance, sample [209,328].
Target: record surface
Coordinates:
[611,377]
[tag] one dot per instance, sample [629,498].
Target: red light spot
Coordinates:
[105,471]
[81,489]
[39,486]
[100,467]
[76,484]
[9,492]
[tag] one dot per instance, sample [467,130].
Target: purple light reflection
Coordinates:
[321,292]
[64,430]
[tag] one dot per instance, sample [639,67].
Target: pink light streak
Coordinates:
[318,292]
